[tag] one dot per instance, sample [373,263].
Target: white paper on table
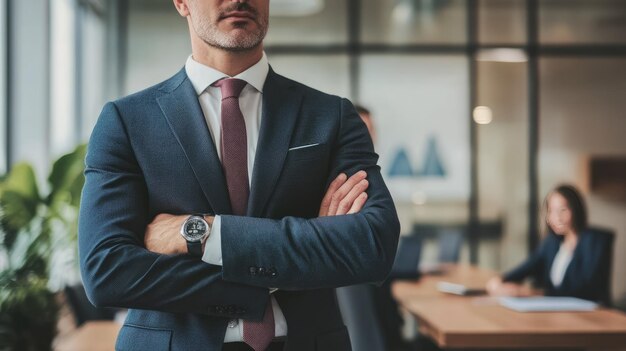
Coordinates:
[547,304]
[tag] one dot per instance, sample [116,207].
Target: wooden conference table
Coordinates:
[481,323]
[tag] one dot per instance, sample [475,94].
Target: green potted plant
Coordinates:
[33,230]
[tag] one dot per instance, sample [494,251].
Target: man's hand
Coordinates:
[496,287]
[345,196]
[163,234]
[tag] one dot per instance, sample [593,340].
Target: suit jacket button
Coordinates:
[261,271]
[252,270]
[273,272]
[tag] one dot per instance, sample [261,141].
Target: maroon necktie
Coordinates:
[234,149]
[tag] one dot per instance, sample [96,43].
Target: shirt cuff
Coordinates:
[213,245]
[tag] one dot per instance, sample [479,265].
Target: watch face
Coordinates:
[195,228]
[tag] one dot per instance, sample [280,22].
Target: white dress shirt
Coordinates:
[250,101]
[559,265]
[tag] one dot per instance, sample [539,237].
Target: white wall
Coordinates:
[158,45]
[29,83]
[96,74]
[3,85]
[328,73]
[63,65]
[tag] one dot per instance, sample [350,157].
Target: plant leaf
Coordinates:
[21,179]
[66,178]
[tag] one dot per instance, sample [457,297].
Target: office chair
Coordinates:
[408,254]
[607,273]
[358,310]
[370,312]
[450,241]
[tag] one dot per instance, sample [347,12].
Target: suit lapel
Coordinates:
[281,104]
[186,119]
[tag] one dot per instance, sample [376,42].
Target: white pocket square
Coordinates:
[303,146]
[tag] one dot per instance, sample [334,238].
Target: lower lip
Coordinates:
[238,18]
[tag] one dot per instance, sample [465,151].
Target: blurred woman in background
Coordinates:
[573,260]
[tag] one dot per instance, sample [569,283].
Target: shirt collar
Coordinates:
[202,76]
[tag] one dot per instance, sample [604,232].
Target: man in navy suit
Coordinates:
[224,205]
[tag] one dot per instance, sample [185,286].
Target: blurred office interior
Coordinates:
[480,106]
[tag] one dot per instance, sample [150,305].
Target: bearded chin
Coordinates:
[229,43]
[236,43]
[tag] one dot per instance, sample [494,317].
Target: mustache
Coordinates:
[239,7]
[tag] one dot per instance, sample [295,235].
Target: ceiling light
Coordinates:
[482,115]
[502,55]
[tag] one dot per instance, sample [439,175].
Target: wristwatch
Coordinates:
[195,230]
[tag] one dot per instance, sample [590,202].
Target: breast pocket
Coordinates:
[306,152]
[134,337]
[301,184]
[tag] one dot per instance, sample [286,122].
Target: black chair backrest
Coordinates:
[605,285]
[358,309]
[407,259]
[450,242]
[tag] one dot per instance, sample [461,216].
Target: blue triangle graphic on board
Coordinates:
[433,165]
[401,166]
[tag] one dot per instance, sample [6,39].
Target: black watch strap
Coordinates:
[194,248]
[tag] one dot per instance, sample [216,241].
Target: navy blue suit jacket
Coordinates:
[152,153]
[588,276]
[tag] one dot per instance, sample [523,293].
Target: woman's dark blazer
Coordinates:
[588,276]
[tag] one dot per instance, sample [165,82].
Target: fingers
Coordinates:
[346,204]
[343,191]
[338,182]
[358,203]
[345,195]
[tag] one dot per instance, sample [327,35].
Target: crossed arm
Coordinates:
[108,263]
[344,196]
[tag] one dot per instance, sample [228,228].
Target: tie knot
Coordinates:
[230,87]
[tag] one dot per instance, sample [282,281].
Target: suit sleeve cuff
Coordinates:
[213,245]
